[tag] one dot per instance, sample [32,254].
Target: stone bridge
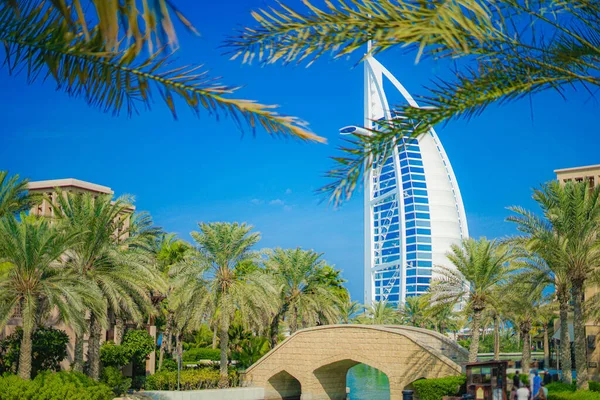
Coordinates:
[312,363]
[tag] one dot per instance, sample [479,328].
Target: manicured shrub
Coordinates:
[49,349]
[201,354]
[190,379]
[561,387]
[139,343]
[578,395]
[54,386]
[435,389]
[168,365]
[114,379]
[594,386]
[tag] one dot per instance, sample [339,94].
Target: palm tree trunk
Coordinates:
[474,348]
[119,330]
[94,348]
[224,339]
[163,344]
[294,320]
[546,348]
[579,333]
[25,352]
[170,343]
[496,338]
[78,353]
[274,331]
[526,360]
[565,340]
[215,336]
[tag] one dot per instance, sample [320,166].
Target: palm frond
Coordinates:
[40,45]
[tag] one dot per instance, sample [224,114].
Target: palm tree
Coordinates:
[543,265]
[544,317]
[34,249]
[522,304]
[170,251]
[222,288]
[102,257]
[379,313]
[567,239]
[349,310]
[414,312]
[479,267]
[13,194]
[512,49]
[118,61]
[305,292]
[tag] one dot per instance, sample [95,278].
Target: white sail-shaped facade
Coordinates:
[413,207]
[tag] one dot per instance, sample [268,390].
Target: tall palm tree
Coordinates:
[567,239]
[511,50]
[102,257]
[13,194]
[170,251]
[522,304]
[479,267]
[544,318]
[117,62]
[379,313]
[213,271]
[34,249]
[304,293]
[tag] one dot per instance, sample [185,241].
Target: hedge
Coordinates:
[435,389]
[53,386]
[190,379]
[594,386]
[578,395]
[202,354]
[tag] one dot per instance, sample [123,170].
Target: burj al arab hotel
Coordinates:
[413,208]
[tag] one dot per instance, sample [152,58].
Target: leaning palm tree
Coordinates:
[213,271]
[511,49]
[102,257]
[13,194]
[118,58]
[379,313]
[478,268]
[349,311]
[303,293]
[34,249]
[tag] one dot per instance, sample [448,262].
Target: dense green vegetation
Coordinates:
[435,389]
[53,386]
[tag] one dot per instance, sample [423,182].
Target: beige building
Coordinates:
[591,174]
[48,189]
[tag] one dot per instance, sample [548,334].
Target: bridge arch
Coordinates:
[319,358]
[283,385]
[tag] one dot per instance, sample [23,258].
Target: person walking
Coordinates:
[523,393]
[536,384]
[516,380]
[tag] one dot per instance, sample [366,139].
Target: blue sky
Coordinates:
[194,170]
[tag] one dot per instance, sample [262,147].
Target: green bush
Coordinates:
[112,377]
[53,386]
[168,365]
[202,354]
[139,343]
[49,349]
[578,395]
[594,386]
[190,379]
[561,387]
[435,389]
[113,355]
